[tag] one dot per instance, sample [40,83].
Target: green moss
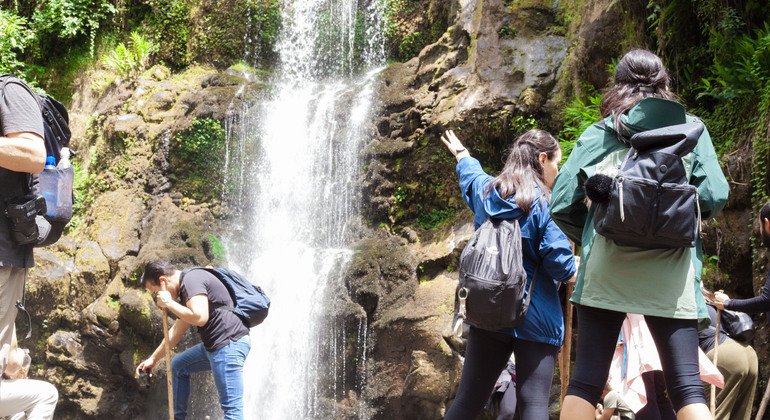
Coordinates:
[113,302]
[197,159]
[217,249]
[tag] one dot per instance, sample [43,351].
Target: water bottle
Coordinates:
[49,185]
[56,187]
[64,158]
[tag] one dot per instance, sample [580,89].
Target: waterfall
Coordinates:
[293,162]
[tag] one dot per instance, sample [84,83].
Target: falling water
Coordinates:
[293,164]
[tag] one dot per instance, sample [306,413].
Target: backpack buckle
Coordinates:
[462,296]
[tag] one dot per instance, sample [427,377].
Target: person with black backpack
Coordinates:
[653,178]
[208,302]
[22,152]
[520,194]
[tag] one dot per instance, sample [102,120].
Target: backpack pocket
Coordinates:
[677,214]
[628,213]
[485,300]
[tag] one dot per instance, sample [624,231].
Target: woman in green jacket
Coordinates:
[615,279]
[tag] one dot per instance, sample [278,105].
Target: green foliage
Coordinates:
[67,19]
[432,23]
[267,20]
[506,32]
[169,26]
[743,70]
[522,123]
[14,38]
[411,45]
[578,116]
[197,156]
[435,217]
[130,61]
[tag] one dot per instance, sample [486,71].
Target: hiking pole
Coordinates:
[763,404]
[566,350]
[716,355]
[169,381]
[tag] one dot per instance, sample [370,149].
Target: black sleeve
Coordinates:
[757,304]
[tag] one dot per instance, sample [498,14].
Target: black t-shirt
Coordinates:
[19,112]
[223,325]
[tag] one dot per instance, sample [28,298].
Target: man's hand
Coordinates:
[146,366]
[164,299]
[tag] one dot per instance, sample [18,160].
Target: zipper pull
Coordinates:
[620,194]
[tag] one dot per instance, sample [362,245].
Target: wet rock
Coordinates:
[117,217]
[91,274]
[140,312]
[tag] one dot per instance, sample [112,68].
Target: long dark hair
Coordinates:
[640,74]
[523,169]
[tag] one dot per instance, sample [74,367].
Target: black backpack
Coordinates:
[651,203]
[251,304]
[56,136]
[492,277]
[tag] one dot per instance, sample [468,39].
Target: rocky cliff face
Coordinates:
[92,324]
[500,68]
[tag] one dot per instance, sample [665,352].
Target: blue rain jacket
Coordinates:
[544,245]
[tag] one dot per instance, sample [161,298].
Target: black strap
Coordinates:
[20,306]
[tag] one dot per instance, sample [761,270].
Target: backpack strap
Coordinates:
[531,287]
[212,305]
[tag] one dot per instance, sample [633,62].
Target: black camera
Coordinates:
[25,219]
[144,379]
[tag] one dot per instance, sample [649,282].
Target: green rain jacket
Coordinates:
[657,282]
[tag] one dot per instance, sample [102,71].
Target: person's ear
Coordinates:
[766,225]
[542,158]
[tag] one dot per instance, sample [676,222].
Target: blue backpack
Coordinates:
[251,303]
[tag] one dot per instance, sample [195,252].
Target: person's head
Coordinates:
[639,74]
[156,272]
[764,224]
[533,158]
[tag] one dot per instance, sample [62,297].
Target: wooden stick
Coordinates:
[168,359]
[763,404]
[566,350]
[716,357]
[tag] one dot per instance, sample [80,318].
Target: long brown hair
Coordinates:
[523,169]
[640,74]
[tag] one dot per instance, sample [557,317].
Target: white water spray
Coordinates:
[293,163]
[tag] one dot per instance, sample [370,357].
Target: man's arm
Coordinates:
[196,312]
[174,335]
[22,152]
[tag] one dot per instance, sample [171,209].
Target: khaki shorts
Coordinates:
[11,290]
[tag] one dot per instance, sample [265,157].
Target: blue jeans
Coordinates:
[226,364]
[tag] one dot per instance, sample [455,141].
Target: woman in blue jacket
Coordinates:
[523,188]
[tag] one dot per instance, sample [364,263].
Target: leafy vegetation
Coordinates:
[14,38]
[197,158]
[130,61]
[578,116]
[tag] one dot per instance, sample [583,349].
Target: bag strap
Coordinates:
[531,287]
[213,305]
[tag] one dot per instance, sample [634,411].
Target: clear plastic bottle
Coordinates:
[64,158]
[49,185]
[56,188]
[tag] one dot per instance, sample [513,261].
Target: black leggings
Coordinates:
[676,340]
[485,357]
